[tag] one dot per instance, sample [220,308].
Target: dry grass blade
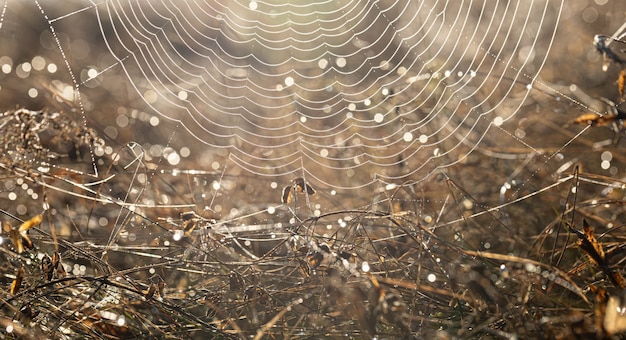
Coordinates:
[567,282]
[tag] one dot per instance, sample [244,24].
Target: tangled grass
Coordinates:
[102,245]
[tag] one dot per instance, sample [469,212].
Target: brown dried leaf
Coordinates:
[286,197]
[17,282]
[56,263]
[595,119]
[590,245]
[17,240]
[588,242]
[20,235]
[32,222]
[47,267]
[315,259]
[298,185]
[25,241]
[301,186]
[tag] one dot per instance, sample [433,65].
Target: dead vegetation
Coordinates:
[100,255]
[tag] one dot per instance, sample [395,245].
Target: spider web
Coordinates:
[356,97]
[342,93]
[228,103]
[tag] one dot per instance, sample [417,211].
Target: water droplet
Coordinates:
[407,137]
